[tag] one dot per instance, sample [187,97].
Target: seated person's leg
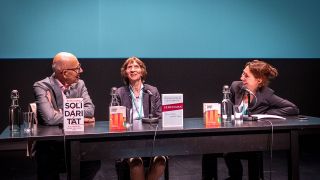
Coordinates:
[209,167]
[89,169]
[234,165]
[122,168]
[255,165]
[136,168]
[49,159]
[157,168]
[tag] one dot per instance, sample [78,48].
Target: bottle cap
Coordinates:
[225,89]
[113,91]
[14,94]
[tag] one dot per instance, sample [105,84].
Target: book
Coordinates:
[267,116]
[117,117]
[172,110]
[73,114]
[211,113]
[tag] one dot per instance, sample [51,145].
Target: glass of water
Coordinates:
[28,121]
[129,118]
[238,113]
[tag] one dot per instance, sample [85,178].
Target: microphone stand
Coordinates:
[248,94]
[248,117]
[150,118]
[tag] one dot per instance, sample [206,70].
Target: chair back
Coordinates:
[33,108]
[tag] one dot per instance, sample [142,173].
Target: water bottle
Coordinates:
[114,99]
[226,105]
[14,112]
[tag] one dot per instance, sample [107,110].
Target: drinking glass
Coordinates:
[129,118]
[238,114]
[28,121]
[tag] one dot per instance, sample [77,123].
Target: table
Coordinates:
[23,141]
[98,142]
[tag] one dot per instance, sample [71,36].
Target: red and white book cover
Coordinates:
[172,110]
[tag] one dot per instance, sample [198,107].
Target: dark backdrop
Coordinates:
[200,80]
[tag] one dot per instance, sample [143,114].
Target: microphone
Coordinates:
[66,92]
[244,88]
[148,92]
[248,117]
[150,118]
[249,92]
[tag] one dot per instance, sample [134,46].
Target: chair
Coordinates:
[255,165]
[32,108]
[210,166]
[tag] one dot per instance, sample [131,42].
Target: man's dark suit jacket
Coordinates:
[50,113]
[266,102]
[125,99]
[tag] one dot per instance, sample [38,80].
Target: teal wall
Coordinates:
[160,28]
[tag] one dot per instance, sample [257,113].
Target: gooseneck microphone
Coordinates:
[148,92]
[150,118]
[248,92]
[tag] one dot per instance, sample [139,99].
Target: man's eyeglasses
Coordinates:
[77,69]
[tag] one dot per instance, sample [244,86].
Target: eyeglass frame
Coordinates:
[77,69]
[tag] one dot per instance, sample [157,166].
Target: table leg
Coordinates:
[74,169]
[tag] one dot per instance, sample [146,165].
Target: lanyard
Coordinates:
[135,104]
[244,108]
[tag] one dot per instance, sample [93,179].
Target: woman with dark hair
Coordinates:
[255,78]
[133,96]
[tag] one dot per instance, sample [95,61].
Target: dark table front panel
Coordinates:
[183,145]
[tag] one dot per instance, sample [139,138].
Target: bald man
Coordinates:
[64,83]
[49,93]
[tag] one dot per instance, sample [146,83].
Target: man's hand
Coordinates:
[89,120]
